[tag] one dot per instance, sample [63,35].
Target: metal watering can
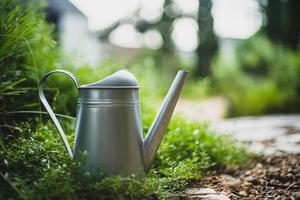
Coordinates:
[108,124]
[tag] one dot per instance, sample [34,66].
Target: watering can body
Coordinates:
[108,128]
[108,124]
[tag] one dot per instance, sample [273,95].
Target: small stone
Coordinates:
[235,185]
[248,173]
[296,196]
[268,160]
[261,181]
[231,182]
[255,191]
[243,193]
[250,179]
[200,191]
[234,196]
[252,197]
[211,197]
[259,165]
[246,184]
[290,176]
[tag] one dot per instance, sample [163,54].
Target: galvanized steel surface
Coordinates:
[50,111]
[109,127]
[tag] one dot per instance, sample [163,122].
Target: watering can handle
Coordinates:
[50,111]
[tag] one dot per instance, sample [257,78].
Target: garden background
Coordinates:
[254,73]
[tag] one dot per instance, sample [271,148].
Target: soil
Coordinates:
[269,177]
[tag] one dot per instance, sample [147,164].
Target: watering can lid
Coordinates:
[120,79]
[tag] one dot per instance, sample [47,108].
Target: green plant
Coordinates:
[27,50]
[260,78]
[34,165]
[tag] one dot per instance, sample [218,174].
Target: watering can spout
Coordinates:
[158,127]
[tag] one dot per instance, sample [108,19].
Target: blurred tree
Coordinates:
[164,26]
[283,24]
[208,45]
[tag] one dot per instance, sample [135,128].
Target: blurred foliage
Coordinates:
[27,50]
[207,44]
[262,77]
[34,165]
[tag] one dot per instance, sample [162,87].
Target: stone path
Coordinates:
[277,137]
[274,134]
[265,134]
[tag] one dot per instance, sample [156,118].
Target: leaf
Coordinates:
[11,86]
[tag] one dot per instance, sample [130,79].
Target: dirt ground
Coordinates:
[268,177]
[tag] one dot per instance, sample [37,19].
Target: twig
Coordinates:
[292,185]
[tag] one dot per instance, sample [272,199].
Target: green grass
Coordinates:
[34,165]
[27,51]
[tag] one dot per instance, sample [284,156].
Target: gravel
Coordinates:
[268,177]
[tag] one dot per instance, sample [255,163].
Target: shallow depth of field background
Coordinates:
[243,58]
[243,54]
